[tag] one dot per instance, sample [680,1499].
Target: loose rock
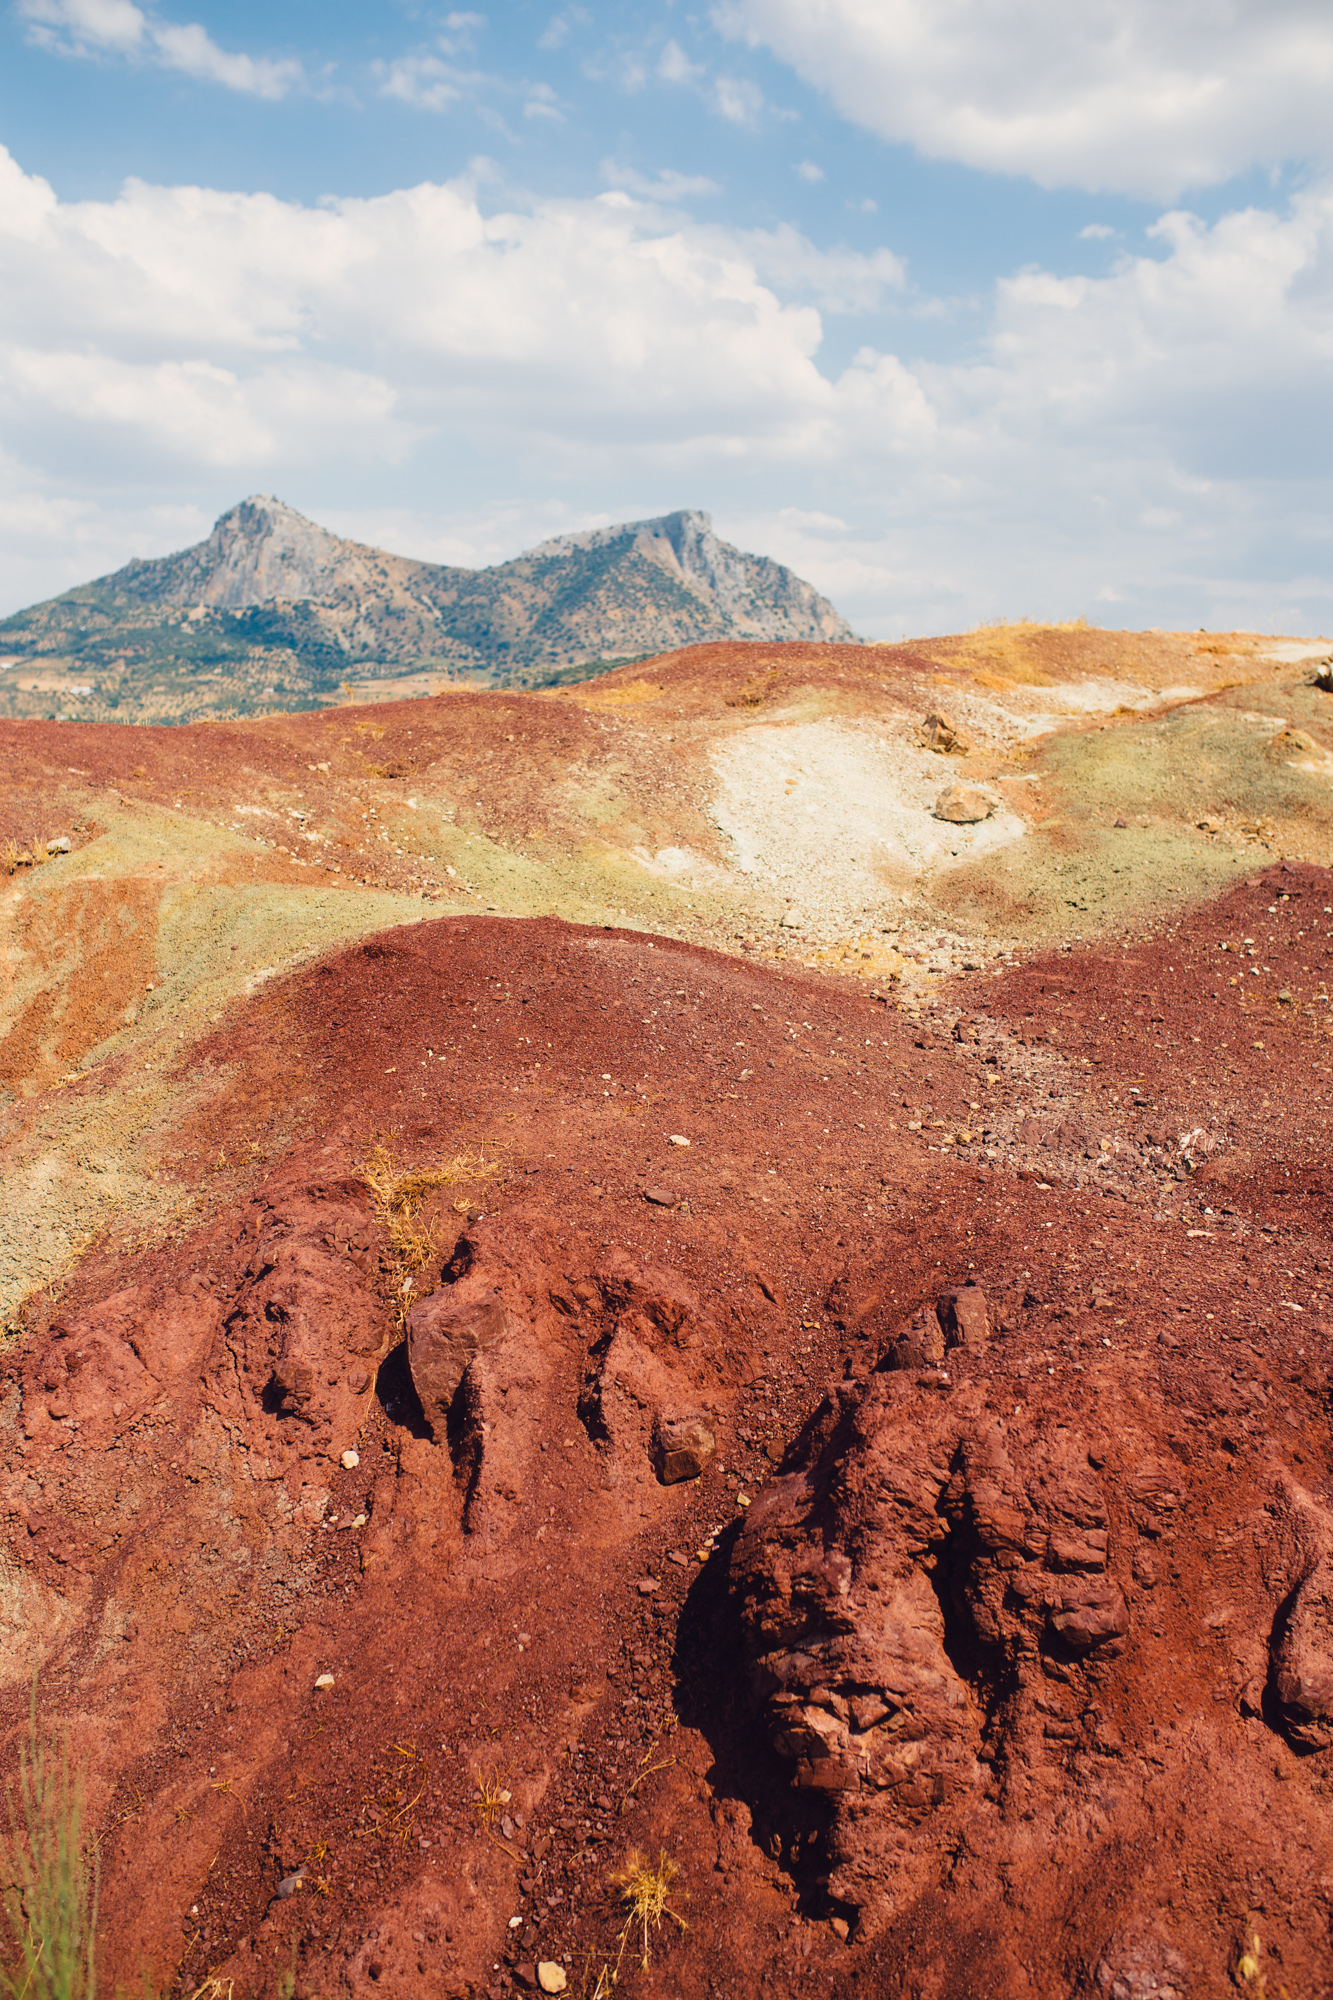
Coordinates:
[445,1334]
[964,1317]
[965,805]
[942,735]
[682,1447]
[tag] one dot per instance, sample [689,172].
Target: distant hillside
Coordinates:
[274,611]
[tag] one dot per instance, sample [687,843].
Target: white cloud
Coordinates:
[666,186]
[561,26]
[91,27]
[607,317]
[808,171]
[1163,429]
[1097,232]
[427,82]
[82,25]
[1134,95]
[737,99]
[190,49]
[801,517]
[840,281]
[674,66]
[542,102]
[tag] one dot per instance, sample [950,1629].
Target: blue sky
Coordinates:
[964,310]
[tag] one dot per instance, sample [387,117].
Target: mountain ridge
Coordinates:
[272,604]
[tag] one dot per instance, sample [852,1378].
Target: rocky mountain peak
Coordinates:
[260,552]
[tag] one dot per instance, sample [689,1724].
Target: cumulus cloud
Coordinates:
[118,27]
[1127,95]
[606,316]
[1161,429]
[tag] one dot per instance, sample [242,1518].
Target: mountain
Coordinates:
[272,608]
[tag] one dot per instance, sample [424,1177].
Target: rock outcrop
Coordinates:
[930,1593]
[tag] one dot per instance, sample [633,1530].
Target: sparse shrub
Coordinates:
[50,1878]
[400,1194]
[643,1886]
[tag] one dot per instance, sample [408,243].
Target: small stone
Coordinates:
[681,1448]
[291,1883]
[678,1139]
[792,920]
[358,1381]
[551,1976]
[1284,998]
[922,1346]
[1251,1696]
[964,1317]
[1291,743]
[1091,1614]
[350,1461]
[445,1334]
[324,1681]
[840,1928]
[60,846]
[965,805]
[661,1198]
[941,734]
[647,1585]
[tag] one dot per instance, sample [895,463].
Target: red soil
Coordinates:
[523,1610]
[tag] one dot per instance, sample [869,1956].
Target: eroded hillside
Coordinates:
[589,1275]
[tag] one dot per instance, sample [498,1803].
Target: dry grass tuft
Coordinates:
[1005,654]
[623,694]
[13,857]
[400,1194]
[644,1886]
[492,1800]
[1248,1972]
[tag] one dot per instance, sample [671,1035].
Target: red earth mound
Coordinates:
[989,1651]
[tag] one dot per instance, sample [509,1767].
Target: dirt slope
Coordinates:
[775,801]
[188,1554]
[989,1650]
